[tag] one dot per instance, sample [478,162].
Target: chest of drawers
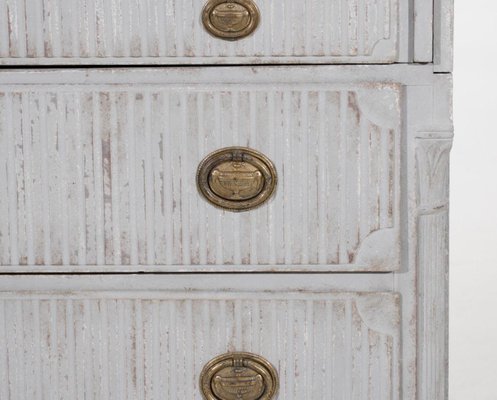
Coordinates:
[276,203]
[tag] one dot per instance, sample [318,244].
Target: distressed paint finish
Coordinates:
[95,200]
[151,345]
[105,175]
[432,154]
[443,35]
[170,31]
[423,279]
[423,31]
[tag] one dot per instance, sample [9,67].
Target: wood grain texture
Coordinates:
[171,31]
[136,345]
[105,175]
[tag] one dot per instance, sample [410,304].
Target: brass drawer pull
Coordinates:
[230,19]
[236,178]
[239,376]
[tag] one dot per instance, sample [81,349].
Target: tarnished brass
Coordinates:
[236,178]
[239,376]
[230,19]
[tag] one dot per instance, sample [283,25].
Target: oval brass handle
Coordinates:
[230,19]
[239,376]
[236,178]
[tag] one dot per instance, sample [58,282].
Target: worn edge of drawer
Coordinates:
[293,282]
[407,74]
[190,61]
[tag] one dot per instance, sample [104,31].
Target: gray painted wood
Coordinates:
[444,35]
[426,127]
[105,176]
[423,31]
[97,172]
[171,32]
[119,345]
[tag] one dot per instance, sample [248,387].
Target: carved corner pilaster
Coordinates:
[432,160]
[432,164]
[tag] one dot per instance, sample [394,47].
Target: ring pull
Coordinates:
[239,376]
[236,178]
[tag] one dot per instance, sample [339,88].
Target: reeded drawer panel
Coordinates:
[104,174]
[153,345]
[171,31]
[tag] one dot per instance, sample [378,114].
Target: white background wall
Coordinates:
[473,326]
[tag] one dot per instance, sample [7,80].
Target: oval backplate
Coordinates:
[236,178]
[230,19]
[239,376]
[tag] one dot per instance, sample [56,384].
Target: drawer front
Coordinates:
[171,31]
[104,175]
[134,345]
